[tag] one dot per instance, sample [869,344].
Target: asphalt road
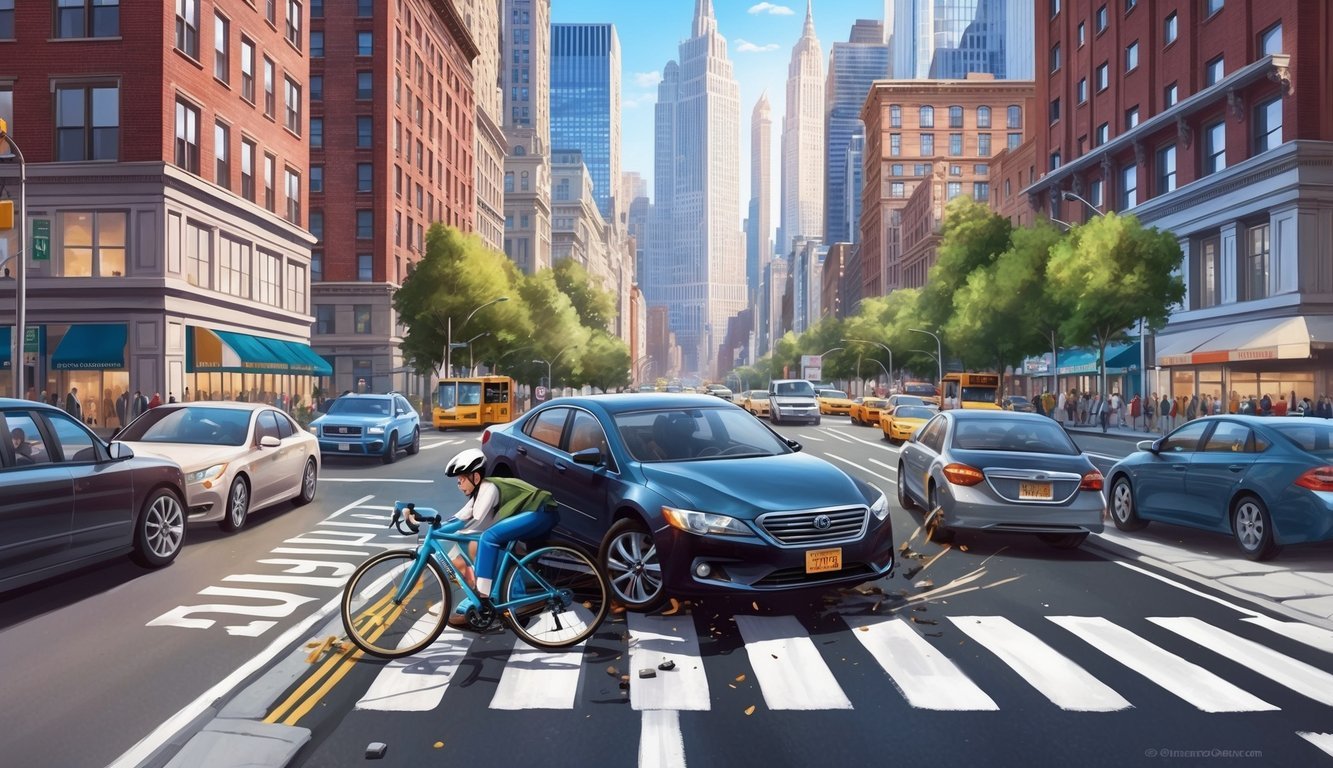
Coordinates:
[1022,654]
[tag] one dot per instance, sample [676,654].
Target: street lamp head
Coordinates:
[1070,196]
[502,298]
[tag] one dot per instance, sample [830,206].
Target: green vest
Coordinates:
[519,496]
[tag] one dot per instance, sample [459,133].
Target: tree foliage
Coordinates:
[595,305]
[605,362]
[972,239]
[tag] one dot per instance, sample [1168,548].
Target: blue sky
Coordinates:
[760,36]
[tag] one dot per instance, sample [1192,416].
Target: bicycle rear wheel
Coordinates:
[574,597]
[382,627]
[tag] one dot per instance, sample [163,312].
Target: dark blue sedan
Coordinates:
[688,494]
[1265,480]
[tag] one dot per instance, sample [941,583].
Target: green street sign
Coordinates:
[41,239]
[32,339]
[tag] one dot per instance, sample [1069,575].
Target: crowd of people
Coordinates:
[1163,414]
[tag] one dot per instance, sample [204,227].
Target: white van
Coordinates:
[792,400]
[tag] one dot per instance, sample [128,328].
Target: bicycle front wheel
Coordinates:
[384,627]
[567,597]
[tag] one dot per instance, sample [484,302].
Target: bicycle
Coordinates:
[398,602]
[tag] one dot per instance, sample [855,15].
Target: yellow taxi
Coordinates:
[900,423]
[756,402]
[865,410]
[833,402]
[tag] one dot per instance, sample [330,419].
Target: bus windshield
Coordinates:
[978,395]
[455,393]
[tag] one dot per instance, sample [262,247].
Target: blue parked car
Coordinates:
[1267,481]
[369,425]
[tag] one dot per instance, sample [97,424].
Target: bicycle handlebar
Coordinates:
[403,514]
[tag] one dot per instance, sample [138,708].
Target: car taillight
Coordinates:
[962,474]
[1091,481]
[1317,479]
[485,435]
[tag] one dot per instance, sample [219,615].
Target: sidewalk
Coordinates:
[1124,433]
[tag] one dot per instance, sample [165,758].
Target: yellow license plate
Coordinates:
[821,560]
[1036,491]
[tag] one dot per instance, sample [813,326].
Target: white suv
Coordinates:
[792,400]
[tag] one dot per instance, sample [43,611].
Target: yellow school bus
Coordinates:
[473,402]
[970,390]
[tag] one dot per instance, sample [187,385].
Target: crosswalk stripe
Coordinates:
[661,744]
[418,683]
[1322,740]
[922,674]
[1303,678]
[1066,684]
[654,639]
[1315,637]
[1189,681]
[538,679]
[791,673]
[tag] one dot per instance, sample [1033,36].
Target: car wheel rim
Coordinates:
[308,482]
[1121,504]
[239,502]
[1249,526]
[164,526]
[636,575]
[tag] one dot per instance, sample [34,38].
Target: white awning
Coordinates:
[1175,348]
[1277,338]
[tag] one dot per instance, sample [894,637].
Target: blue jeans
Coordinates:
[524,525]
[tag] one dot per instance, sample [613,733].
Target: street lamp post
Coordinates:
[939,356]
[888,371]
[1071,196]
[449,333]
[471,364]
[20,263]
[548,371]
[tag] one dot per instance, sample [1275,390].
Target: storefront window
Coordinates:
[94,243]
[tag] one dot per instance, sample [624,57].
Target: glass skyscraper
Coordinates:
[585,104]
[947,39]
[853,66]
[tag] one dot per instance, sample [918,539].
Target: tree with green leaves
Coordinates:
[972,238]
[557,335]
[1109,274]
[604,363]
[595,305]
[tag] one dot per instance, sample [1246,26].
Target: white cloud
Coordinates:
[745,46]
[771,9]
[646,79]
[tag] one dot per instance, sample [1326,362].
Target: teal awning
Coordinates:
[1120,357]
[91,347]
[6,334]
[207,350]
[1075,361]
[300,357]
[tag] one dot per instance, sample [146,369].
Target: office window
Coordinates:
[1101,19]
[1014,116]
[1102,135]
[1166,169]
[1129,5]
[364,176]
[324,315]
[1212,6]
[1268,125]
[895,144]
[293,23]
[1055,160]
[1213,71]
[1131,117]
[222,155]
[1082,90]
[365,43]
[896,169]
[1214,147]
[1270,40]
[955,117]
[316,44]
[1132,56]
[983,117]
[364,131]
[247,70]
[221,48]
[1170,29]
[1055,109]
[895,116]
[271,11]
[1129,187]
[365,85]
[187,136]
[1014,140]
[316,180]
[983,145]
[897,189]
[364,8]
[316,133]
[293,180]
[927,144]
[316,266]
[365,267]
[1055,57]
[316,87]
[1055,8]
[1103,76]
[1171,95]
[1082,34]
[361,318]
[981,191]
[1095,193]
[955,144]
[248,170]
[7,20]
[1208,274]
[953,189]
[955,170]
[292,104]
[93,244]
[270,170]
[981,169]
[270,102]
[187,27]
[1256,256]
[926,117]
[365,224]
[316,9]
[87,123]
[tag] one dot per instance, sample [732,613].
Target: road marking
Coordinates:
[1322,740]
[858,466]
[1316,637]
[340,524]
[881,444]
[1066,684]
[653,639]
[923,675]
[309,551]
[373,480]
[1300,677]
[1191,590]
[791,673]
[889,467]
[538,679]
[837,436]
[281,605]
[418,683]
[1187,680]
[661,744]
[812,437]
[437,445]
[1111,459]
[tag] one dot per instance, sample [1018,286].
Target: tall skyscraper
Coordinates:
[696,239]
[759,232]
[947,39]
[853,66]
[585,105]
[483,22]
[803,140]
[526,75]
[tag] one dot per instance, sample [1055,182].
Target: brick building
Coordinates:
[391,153]
[1211,119]
[166,163]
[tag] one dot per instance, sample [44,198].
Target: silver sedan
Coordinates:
[1001,471]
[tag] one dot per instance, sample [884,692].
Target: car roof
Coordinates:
[641,401]
[229,404]
[969,414]
[17,402]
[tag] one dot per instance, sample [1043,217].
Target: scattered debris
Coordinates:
[919,608]
[934,634]
[375,749]
[754,605]
[731,685]
[667,665]
[749,710]
[649,672]
[438,745]
[676,605]
[740,678]
[612,671]
[329,643]
[774,655]
[916,620]
[863,629]
[963,547]
[873,609]
[910,572]
[924,584]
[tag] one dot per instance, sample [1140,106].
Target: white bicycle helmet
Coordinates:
[467,461]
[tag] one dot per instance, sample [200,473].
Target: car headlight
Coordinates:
[880,509]
[206,474]
[375,431]
[704,523]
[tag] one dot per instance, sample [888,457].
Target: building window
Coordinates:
[364,176]
[1270,40]
[1082,34]
[1214,147]
[1095,193]
[1055,8]
[926,117]
[1256,254]
[364,85]
[270,102]
[293,26]
[983,145]
[981,191]
[983,117]
[895,116]
[316,9]
[364,8]
[1171,95]
[222,154]
[221,48]
[1169,29]
[1083,90]
[1103,76]
[324,316]
[187,136]
[316,133]
[1129,187]
[1055,109]
[1055,57]
[87,123]
[247,70]
[365,267]
[955,170]
[1131,117]
[234,267]
[1129,5]
[270,170]
[316,266]
[895,144]
[927,144]
[897,189]
[1268,125]
[360,318]
[955,117]
[1209,276]
[1166,169]
[316,181]
[1132,56]
[364,131]
[270,11]
[1014,116]
[896,169]
[187,27]
[1213,71]
[292,103]
[316,87]
[953,189]
[293,180]
[365,43]
[956,144]
[316,44]
[248,170]
[1055,160]
[93,244]
[1102,135]
[6,19]
[1212,6]
[365,225]
[1015,140]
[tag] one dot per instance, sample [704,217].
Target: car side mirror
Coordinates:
[1151,446]
[589,456]
[120,451]
[795,446]
[269,441]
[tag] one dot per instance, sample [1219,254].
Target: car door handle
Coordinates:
[1178,467]
[560,465]
[1237,467]
[522,450]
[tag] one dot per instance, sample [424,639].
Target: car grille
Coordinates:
[807,526]
[331,430]
[787,577]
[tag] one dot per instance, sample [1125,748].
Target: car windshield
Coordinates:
[909,400]
[794,389]
[871,402]
[195,426]
[924,390]
[1315,436]
[758,394]
[833,394]
[360,406]
[912,412]
[696,434]
[1036,435]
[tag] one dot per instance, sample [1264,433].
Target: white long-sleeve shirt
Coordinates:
[479,511]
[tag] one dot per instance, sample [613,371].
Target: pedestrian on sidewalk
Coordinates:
[1117,414]
[1175,413]
[1265,405]
[1135,411]
[1060,407]
[1083,409]
[1150,412]
[1098,412]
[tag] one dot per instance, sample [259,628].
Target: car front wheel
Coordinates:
[936,530]
[1253,528]
[905,499]
[414,447]
[391,449]
[309,482]
[1122,506]
[632,566]
[159,531]
[238,506]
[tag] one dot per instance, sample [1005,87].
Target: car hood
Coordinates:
[352,419]
[190,457]
[746,488]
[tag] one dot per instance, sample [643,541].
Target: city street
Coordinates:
[993,652]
